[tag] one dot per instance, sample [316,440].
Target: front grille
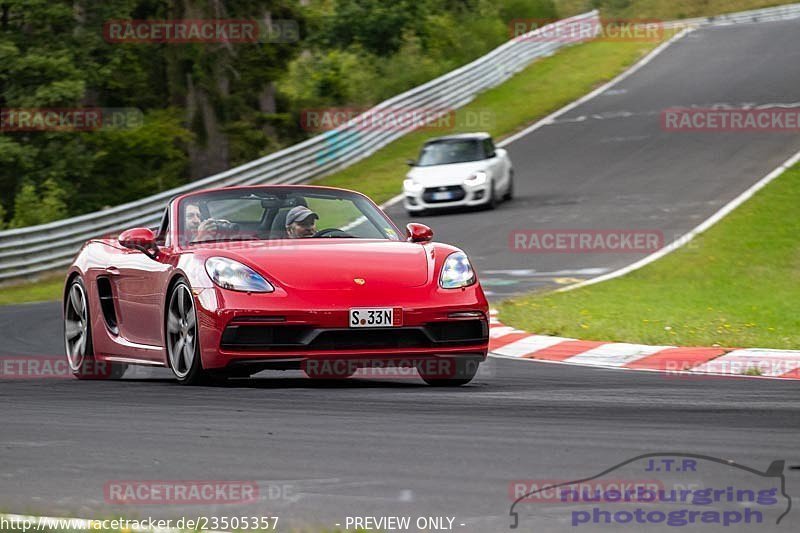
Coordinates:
[457,193]
[302,338]
[370,338]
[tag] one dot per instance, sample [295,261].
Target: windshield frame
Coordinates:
[374,214]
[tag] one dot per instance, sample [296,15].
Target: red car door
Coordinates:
[139,283]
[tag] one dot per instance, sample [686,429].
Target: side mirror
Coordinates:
[411,162]
[142,239]
[419,232]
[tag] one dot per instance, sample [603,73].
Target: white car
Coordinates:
[458,170]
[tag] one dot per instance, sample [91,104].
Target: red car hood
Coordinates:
[335,264]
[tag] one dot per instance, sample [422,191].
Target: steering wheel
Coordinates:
[332,232]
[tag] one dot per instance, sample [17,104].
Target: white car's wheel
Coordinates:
[510,190]
[494,198]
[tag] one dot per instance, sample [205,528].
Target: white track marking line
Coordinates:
[501,331]
[548,119]
[391,202]
[615,354]
[528,345]
[681,241]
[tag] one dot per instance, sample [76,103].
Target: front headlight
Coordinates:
[479,178]
[457,272]
[234,276]
[412,186]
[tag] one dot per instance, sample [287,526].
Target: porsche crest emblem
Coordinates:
[360,281]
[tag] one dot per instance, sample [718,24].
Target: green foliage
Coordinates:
[135,162]
[37,206]
[330,78]
[53,206]
[364,51]
[376,26]
[26,206]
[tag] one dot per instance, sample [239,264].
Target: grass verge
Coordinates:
[535,92]
[46,289]
[736,285]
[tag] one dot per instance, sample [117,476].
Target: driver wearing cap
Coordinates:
[301,222]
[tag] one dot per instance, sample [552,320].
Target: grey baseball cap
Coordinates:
[299,213]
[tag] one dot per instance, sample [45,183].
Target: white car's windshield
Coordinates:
[450,151]
[280,213]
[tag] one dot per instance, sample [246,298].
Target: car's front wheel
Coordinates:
[78,337]
[183,346]
[447,372]
[494,199]
[510,191]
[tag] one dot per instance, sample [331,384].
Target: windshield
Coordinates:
[447,152]
[280,213]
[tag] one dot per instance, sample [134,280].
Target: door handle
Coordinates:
[112,271]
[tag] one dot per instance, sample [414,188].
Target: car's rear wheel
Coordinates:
[448,372]
[78,338]
[183,345]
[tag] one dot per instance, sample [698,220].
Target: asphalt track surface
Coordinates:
[378,447]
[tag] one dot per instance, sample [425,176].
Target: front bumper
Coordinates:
[267,330]
[463,195]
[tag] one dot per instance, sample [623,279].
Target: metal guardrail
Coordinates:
[27,251]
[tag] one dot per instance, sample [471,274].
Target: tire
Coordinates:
[448,372]
[181,337]
[78,338]
[510,192]
[493,200]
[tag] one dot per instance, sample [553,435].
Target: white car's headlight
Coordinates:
[479,178]
[233,275]
[457,272]
[412,186]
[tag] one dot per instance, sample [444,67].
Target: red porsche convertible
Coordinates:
[243,279]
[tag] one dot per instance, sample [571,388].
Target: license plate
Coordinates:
[442,195]
[372,318]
